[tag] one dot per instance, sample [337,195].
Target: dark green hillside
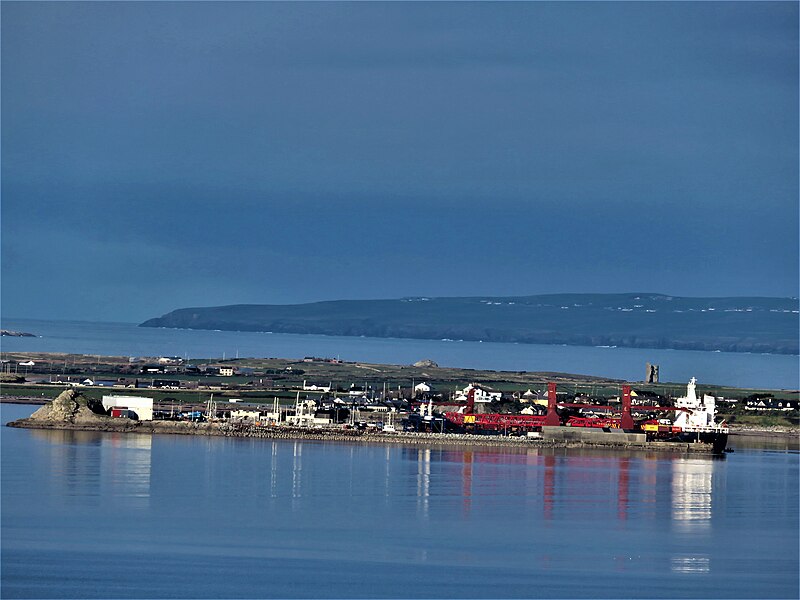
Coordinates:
[632,320]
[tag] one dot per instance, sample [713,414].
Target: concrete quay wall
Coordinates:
[587,434]
[571,438]
[602,440]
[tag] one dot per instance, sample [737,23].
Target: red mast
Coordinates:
[627,419]
[552,419]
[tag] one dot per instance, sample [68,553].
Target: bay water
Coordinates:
[109,515]
[126,339]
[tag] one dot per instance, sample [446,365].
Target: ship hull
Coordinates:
[717,439]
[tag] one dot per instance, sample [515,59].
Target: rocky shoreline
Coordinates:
[8,333]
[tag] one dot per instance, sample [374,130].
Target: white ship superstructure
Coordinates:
[699,413]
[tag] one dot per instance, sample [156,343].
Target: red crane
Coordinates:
[502,422]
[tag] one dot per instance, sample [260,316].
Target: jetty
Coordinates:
[73,411]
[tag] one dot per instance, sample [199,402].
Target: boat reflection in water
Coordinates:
[423,480]
[691,494]
[691,511]
[601,485]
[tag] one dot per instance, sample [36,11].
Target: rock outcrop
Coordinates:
[70,407]
[426,363]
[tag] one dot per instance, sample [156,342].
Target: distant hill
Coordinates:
[631,320]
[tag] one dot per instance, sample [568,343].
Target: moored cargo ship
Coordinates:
[693,420]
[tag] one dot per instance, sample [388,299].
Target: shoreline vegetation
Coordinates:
[728,324]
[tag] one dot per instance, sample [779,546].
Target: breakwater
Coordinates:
[120,425]
[72,411]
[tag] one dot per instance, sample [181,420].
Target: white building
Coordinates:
[316,388]
[141,407]
[481,394]
[169,360]
[421,388]
[357,391]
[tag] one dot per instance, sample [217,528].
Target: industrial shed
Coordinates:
[142,408]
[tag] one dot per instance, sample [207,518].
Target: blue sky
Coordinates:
[163,155]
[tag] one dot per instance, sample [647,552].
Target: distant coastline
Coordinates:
[756,325]
[8,333]
[740,369]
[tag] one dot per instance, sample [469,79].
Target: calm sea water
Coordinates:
[125,339]
[92,515]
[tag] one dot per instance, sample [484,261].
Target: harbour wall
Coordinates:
[600,440]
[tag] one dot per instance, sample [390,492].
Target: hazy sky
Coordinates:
[162,155]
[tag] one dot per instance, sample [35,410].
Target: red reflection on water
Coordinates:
[466,481]
[622,495]
[549,485]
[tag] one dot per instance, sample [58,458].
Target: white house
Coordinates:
[169,360]
[142,407]
[226,371]
[316,388]
[357,391]
[481,394]
[421,388]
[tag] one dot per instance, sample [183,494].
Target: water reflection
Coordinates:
[387,488]
[622,490]
[423,480]
[297,469]
[549,486]
[544,484]
[96,464]
[690,564]
[65,437]
[466,481]
[126,464]
[588,483]
[691,494]
[618,486]
[273,489]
